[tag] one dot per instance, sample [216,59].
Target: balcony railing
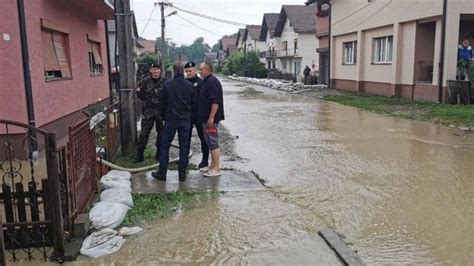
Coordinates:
[288,53]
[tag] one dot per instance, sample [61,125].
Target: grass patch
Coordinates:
[149,206]
[149,155]
[424,111]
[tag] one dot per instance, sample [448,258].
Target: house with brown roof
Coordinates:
[295,29]
[266,34]
[252,40]
[148,46]
[239,40]
[227,45]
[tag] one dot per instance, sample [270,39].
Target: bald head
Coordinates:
[178,68]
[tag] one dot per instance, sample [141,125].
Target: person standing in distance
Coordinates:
[148,90]
[191,76]
[211,112]
[176,102]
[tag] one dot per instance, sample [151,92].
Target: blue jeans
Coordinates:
[183,128]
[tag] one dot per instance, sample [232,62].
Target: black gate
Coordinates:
[32,221]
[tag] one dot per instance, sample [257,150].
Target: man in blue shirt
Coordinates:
[211,112]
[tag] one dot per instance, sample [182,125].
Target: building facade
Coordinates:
[383,49]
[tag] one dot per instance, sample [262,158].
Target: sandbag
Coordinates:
[100,243]
[117,195]
[110,182]
[128,231]
[107,214]
[119,175]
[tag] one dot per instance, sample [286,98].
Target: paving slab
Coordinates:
[229,181]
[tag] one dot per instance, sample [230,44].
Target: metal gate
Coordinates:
[32,221]
[81,184]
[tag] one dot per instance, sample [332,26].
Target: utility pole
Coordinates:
[163,41]
[128,119]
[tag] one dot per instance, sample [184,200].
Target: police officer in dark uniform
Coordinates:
[149,90]
[191,76]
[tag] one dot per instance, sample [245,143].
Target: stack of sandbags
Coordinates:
[115,201]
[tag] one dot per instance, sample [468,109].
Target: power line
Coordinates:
[192,23]
[149,19]
[210,18]
[371,16]
[223,12]
[191,27]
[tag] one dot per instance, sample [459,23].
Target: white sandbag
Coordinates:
[128,231]
[107,214]
[109,182]
[103,242]
[116,174]
[117,195]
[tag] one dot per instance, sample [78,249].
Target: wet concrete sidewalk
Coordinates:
[229,181]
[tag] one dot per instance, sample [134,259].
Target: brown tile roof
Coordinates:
[226,42]
[302,18]
[269,23]
[253,31]
[149,46]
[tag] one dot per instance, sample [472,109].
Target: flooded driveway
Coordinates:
[399,191]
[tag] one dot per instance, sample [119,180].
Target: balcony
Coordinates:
[269,54]
[288,53]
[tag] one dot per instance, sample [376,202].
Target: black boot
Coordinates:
[182,176]
[160,175]
[140,158]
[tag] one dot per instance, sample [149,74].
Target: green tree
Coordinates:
[248,65]
[196,51]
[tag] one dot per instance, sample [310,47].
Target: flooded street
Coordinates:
[399,191]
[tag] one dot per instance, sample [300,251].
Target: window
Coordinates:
[295,49]
[297,67]
[95,60]
[383,50]
[55,55]
[350,53]
[283,64]
[285,47]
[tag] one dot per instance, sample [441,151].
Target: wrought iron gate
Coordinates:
[32,222]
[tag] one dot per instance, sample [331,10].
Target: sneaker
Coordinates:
[211,174]
[182,176]
[204,169]
[159,175]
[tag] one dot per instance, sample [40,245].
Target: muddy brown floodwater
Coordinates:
[400,191]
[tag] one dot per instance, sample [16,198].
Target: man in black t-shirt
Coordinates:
[211,112]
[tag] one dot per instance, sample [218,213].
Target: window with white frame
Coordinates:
[350,53]
[382,48]
[283,64]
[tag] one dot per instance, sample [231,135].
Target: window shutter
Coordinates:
[59,47]
[96,52]
[49,55]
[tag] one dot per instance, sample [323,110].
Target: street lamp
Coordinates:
[172,13]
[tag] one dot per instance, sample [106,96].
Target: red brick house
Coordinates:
[67,52]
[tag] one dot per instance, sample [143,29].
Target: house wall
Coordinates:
[13,99]
[308,43]
[54,99]
[345,72]
[380,18]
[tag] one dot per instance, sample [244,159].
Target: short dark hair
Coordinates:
[178,68]
[208,65]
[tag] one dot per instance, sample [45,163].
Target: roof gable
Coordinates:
[268,25]
[302,18]
[253,31]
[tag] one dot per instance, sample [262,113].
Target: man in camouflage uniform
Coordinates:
[149,90]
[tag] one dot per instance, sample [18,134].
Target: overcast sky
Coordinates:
[182,32]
